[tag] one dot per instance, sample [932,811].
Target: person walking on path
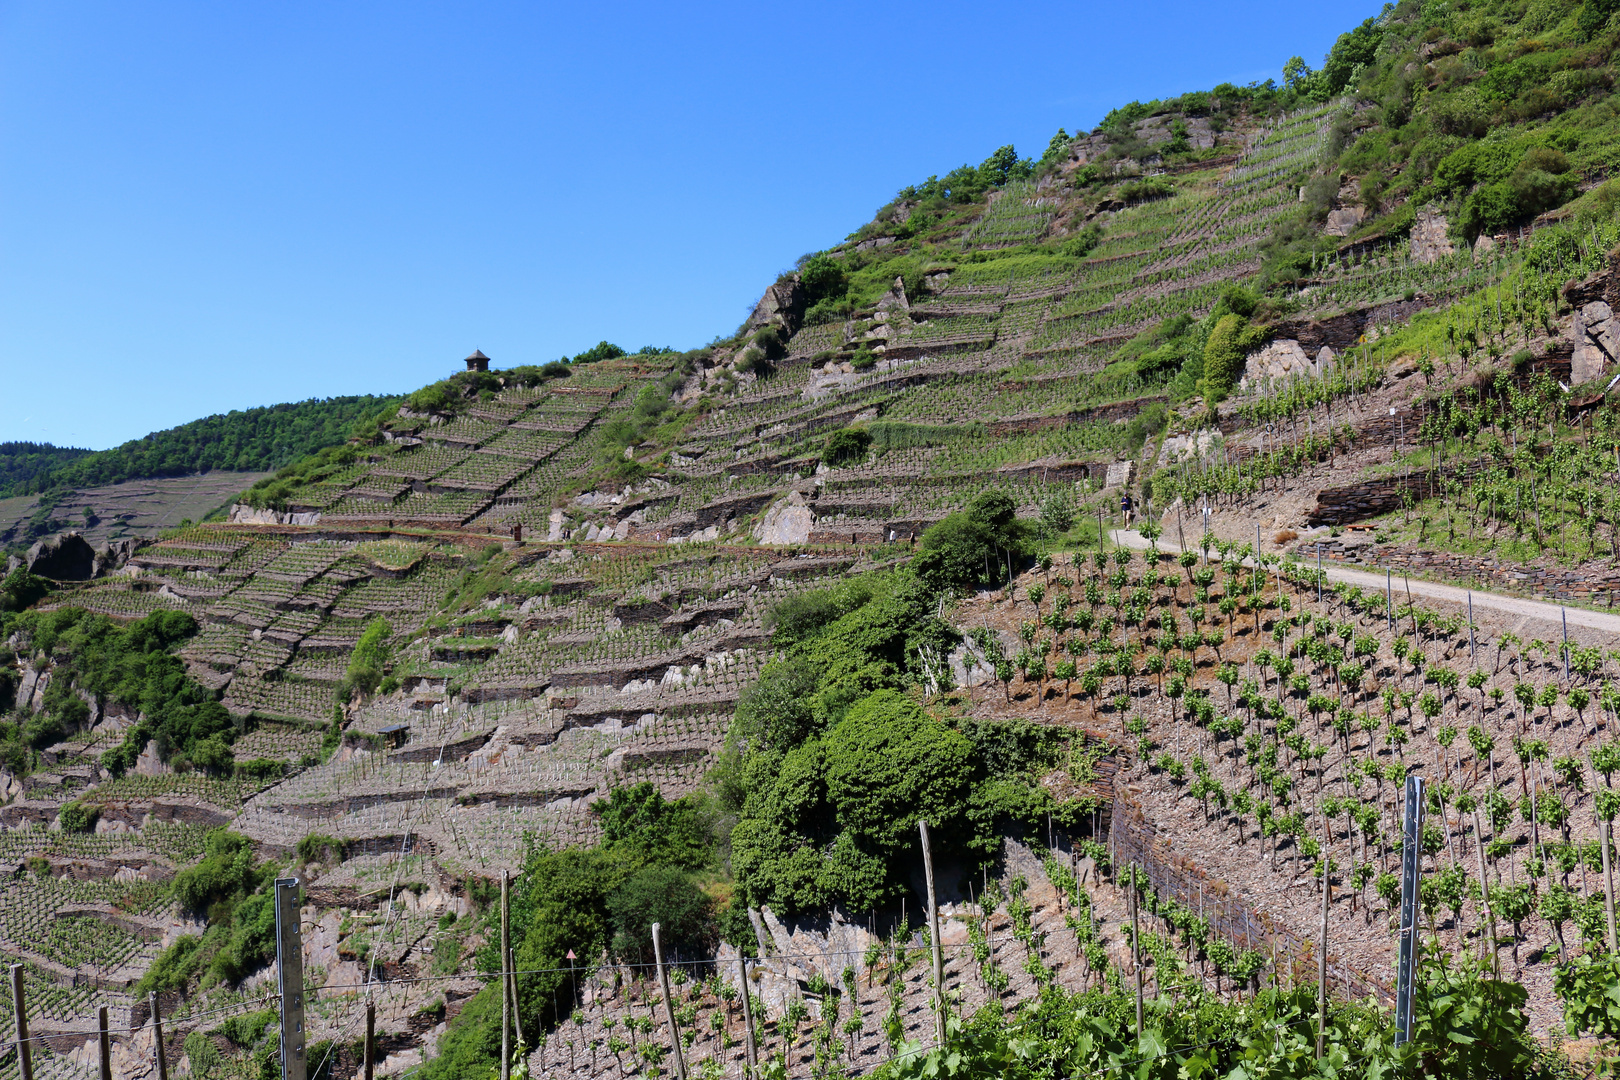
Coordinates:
[1125,508]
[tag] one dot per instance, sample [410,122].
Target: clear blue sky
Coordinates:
[212,206]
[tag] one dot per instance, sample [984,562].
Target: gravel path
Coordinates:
[1553,614]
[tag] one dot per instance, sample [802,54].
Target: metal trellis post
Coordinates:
[748,1017]
[157,1039]
[289,980]
[103,1044]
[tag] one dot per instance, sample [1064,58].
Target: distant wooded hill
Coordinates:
[248,440]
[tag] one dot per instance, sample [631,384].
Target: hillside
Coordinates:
[190,470]
[697,638]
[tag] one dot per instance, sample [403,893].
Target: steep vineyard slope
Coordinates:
[696,638]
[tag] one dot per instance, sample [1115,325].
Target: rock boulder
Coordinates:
[788,522]
[1283,359]
[1343,222]
[68,557]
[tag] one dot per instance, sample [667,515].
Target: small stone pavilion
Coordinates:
[477,361]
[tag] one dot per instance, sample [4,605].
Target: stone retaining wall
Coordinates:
[1369,498]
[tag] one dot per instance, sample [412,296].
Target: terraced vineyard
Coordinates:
[462,644]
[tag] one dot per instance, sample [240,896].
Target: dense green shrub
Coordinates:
[249,1028]
[637,821]
[1540,181]
[252,941]
[201,1053]
[240,937]
[833,820]
[801,616]
[968,183]
[369,657]
[778,710]
[823,278]
[1082,243]
[226,871]
[1135,191]
[666,895]
[1149,422]
[21,590]
[972,547]
[172,968]
[846,446]
[318,847]
[130,665]
[602,350]
[1229,344]
[79,816]
[768,340]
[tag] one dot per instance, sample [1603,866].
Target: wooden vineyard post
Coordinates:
[1321,975]
[163,1058]
[506,981]
[1563,617]
[1411,868]
[1608,883]
[103,1044]
[517,1014]
[371,1040]
[1470,625]
[1485,892]
[933,937]
[748,1018]
[25,1051]
[1389,597]
[669,1004]
[1136,952]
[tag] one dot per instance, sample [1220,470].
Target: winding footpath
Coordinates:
[1539,610]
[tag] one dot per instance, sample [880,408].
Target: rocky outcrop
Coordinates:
[781,306]
[1283,359]
[243,514]
[1596,339]
[1343,222]
[68,557]
[114,554]
[1431,236]
[788,522]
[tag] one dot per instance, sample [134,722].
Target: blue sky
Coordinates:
[215,206]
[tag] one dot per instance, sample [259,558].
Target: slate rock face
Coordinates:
[1283,359]
[68,557]
[782,305]
[1431,239]
[1597,342]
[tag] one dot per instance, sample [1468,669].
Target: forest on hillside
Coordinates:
[243,440]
